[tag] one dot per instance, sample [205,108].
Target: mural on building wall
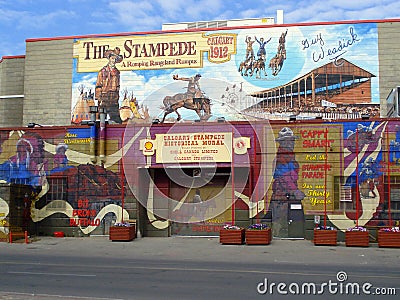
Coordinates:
[286,175]
[108,85]
[56,168]
[321,165]
[200,151]
[345,165]
[281,71]
[362,184]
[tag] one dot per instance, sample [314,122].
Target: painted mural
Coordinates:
[186,170]
[338,169]
[61,182]
[180,96]
[235,74]
[346,170]
[365,155]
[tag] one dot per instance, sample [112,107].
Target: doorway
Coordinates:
[287,219]
[295,221]
[200,186]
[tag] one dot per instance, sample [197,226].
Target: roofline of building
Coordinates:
[11,57]
[207,29]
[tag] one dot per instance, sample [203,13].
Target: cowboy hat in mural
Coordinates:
[108,84]
[286,134]
[114,52]
[61,145]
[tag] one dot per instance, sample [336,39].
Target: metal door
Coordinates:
[295,219]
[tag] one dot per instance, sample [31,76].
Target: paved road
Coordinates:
[192,268]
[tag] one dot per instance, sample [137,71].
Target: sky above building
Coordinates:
[29,19]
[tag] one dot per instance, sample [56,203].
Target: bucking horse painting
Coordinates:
[202,106]
[193,99]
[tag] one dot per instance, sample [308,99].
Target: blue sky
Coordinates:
[26,19]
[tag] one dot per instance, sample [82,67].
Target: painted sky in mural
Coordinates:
[306,48]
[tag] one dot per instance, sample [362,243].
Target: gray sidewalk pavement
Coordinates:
[208,249]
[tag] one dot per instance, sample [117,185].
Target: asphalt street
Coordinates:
[194,268]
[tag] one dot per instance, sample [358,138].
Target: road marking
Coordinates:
[52,274]
[167,268]
[8,294]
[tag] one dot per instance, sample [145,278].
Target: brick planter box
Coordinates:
[357,238]
[325,237]
[388,239]
[258,237]
[122,233]
[231,236]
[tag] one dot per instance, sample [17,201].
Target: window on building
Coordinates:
[57,189]
[394,193]
[344,193]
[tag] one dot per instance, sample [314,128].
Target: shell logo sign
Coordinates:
[147,146]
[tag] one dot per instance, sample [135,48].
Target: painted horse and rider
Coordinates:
[193,99]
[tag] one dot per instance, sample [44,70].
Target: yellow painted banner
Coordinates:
[194,147]
[319,158]
[157,51]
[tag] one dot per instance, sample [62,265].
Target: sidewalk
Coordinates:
[208,249]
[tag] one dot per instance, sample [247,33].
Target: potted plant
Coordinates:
[258,234]
[357,236]
[122,232]
[389,237]
[231,234]
[325,235]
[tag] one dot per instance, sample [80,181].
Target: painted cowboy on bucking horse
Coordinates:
[193,88]
[193,99]
[276,62]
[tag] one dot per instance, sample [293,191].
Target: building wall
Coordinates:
[11,110]
[389,69]
[48,77]
[97,188]
[56,76]
[12,76]
[320,167]
[66,191]
[11,91]
[48,70]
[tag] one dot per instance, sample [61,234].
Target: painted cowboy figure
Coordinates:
[281,46]
[284,186]
[108,84]
[193,99]
[193,89]
[60,158]
[249,48]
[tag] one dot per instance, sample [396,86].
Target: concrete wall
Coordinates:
[12,76]
[11,91]
[48,80]
[389,67]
